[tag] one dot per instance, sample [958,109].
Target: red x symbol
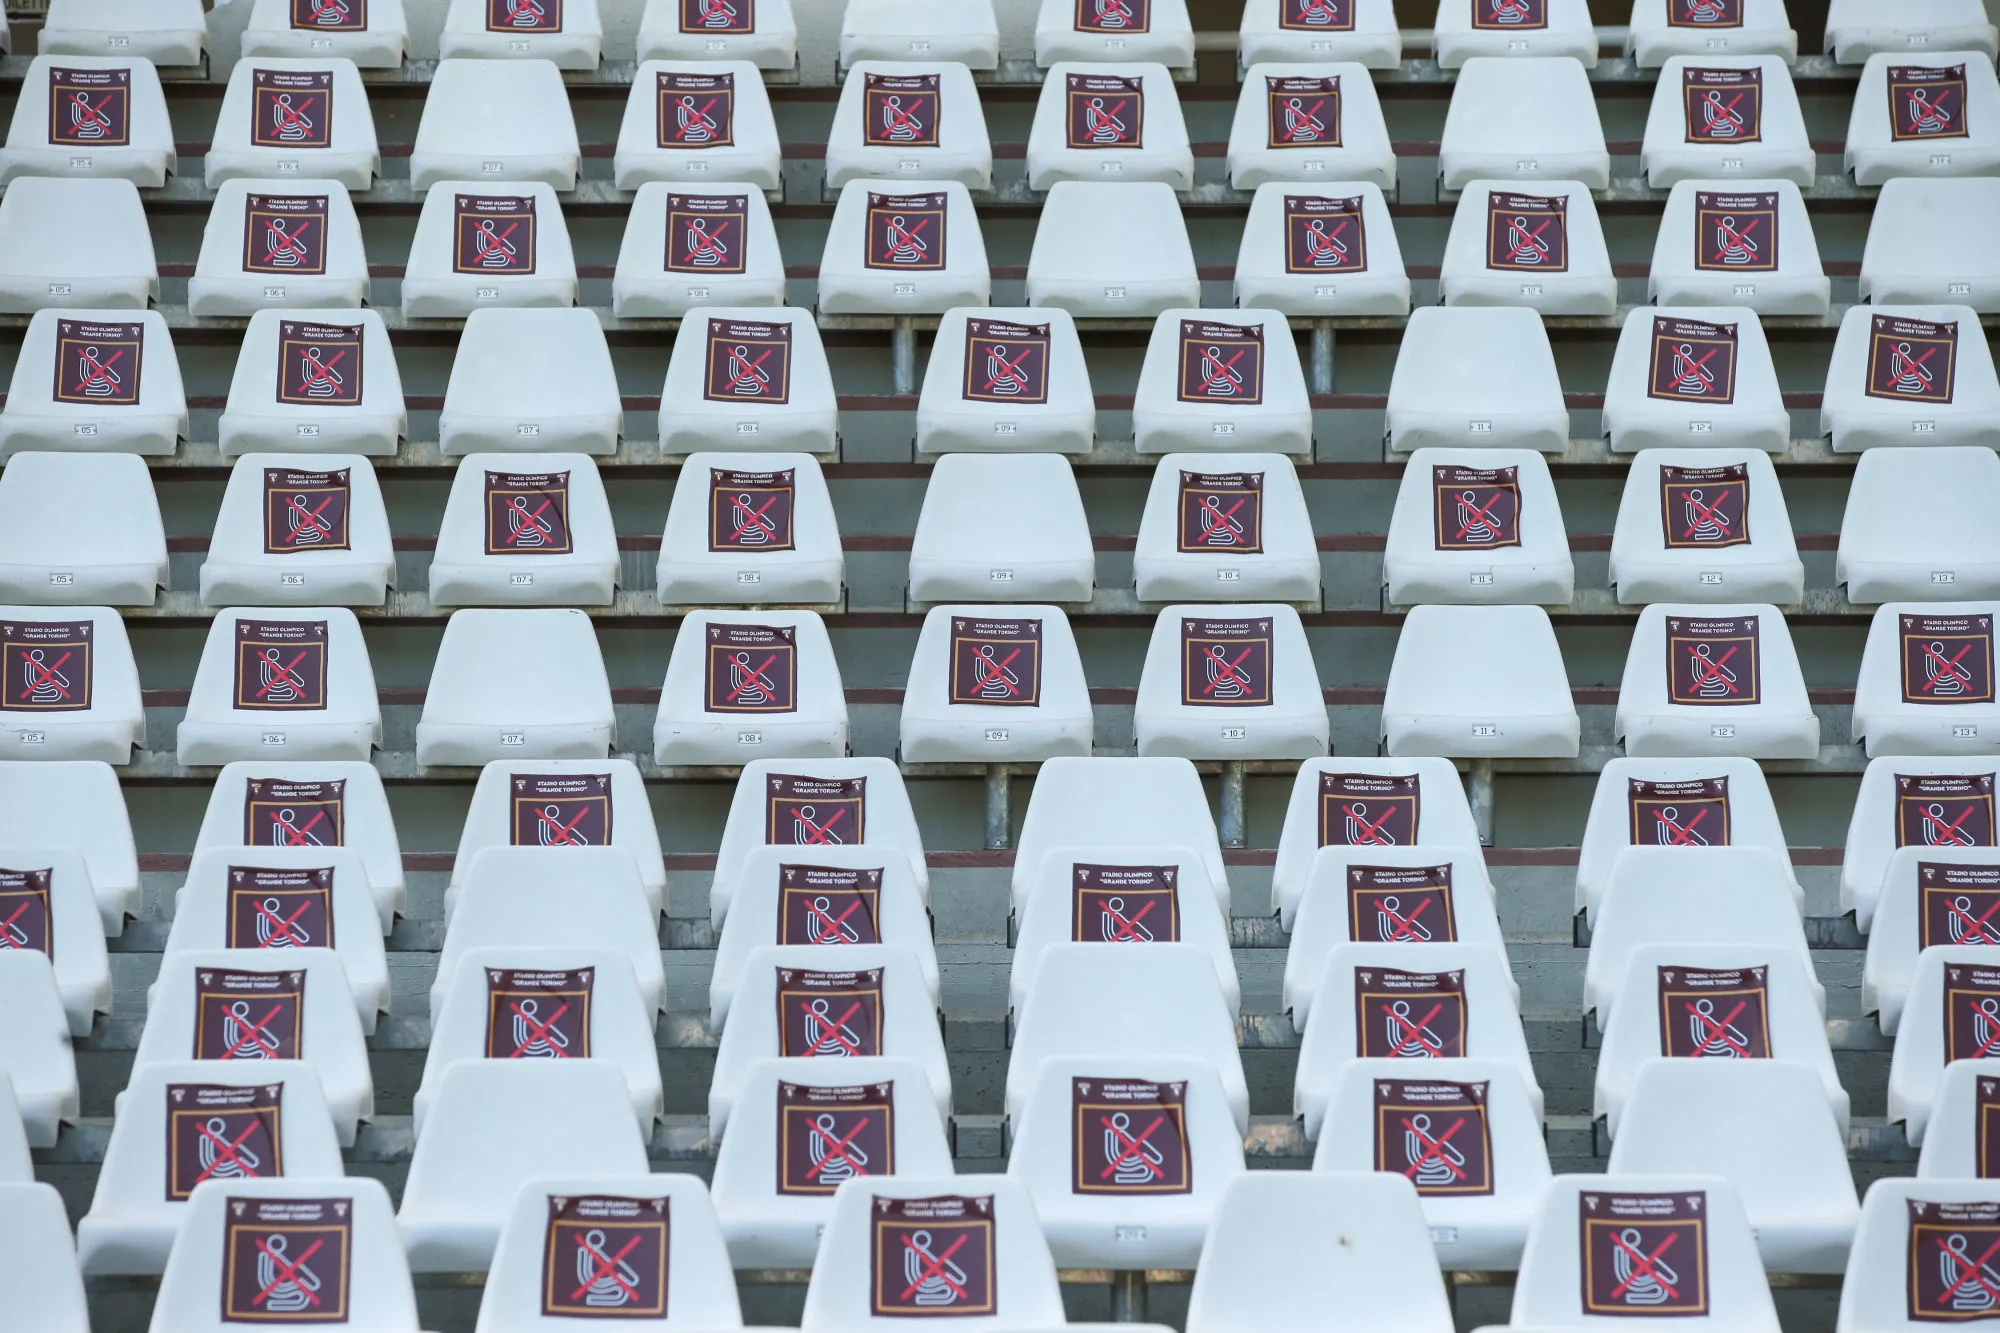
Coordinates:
[1101,119]
[606,1265]
[1228,669]
[488,241]
[284,673]
[820,832]
[1313,114]
[1220,370]
[1693,373]
[1707,513]
[1968,1272]
[1010,370]
[1901,365]
[1371,834]
[753,518]
[1481,515]
[833,924]
[309,520]
[1921,108]
[99,374]
[1946,670]
[1719,1030]
[1682,835]
[1217,517]
[706,243]
[292,242]
[562,832]
[538,1031]
[89,110]
[251,1031]
[1320,247]
[755,676]
[1529,239]
[700,118]
[322,374]
[837,1151]
[1988,1044]
[1434,1149]
[1713,670]
[1975,930]
[993,673]
[1128,927]
[748,371]
[1726,111]
[46,675]
[1642,1264]
[1402,927]
[296,837]
[4,938]
[934,1266]
[831,1031]
[1741,238]
[1948,832]
[899,238]
[287,1271]
[530,522]
[225,1151]
[902,118]
[291,116]
[1415,1031]
[281,931]
[1133,1149]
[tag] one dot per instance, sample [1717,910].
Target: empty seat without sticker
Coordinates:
[1693,803]
[532,380]
[762,32]
[525,530]
[1479,682]
[1222,379]
[281,682]
[1149,268]
[312,381]
[1931,113]
[1696,524]
[1915,526]
[753,377]
[1476,377]
[1661,29]
[568,33]
[48,559]
[802,1128]
[75,245]
[1926,680]
[1127,1158]
[1716,117]
[912,119]
[1952,1014]
[479,245]
[296,529]
[1747,243]
[1220,527]
[95,381]
[1466,29]
[77,805]
[186,1122]
[496,120]
[1230,681]
[242,1008]
[1358,30]
[995,684]
[720,248]
[90,115]
[265,803]
[1954,1143]
[1328,248]
[1104,122]
[1911,801]
[1002,527]
[1125,31]
[820,803]
[516,684]
[1903,375]
[570,804]
[1927,242]
[1694,376]
[1535,243]
[1929,896]
[35,1050]
[166,32]
[274,244]
[372,33]
[690,122]
[1526,118]
[754,684]
[70,688]
[1006,380]
[1857,29]
[295,118]
[1715,680]
[280,899]
[750,528]
[903,247]
[50,908]
[1367,802]
[1318,122]
[1464,1132]
[965,32]
[1478,526]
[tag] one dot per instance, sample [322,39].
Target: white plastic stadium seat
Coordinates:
[516,684]
[166,32]
[1328,248]
[1479,682]
[281,682]
[964,31]
[90,115]
[1463,1132]
[1734,1003]
[903,247]
[70,688]
[1006,380]
[1949,1016]
[1360,30]
[1470,28]
[1695,524]
[525,530]
[1300,121]
[1698,376]
[50,908]
[1933,112]
[77,805]
[1717,117]
[275,244]
[1535,243]
[1914,526]
[573,804]
[1477,526]
[371,33]
[1145,267]
[720,248]
[802,1001]
[295,118]
[754,684]
[1357,802]
[1721,680]
[1476,377]
[1226,526]
[750,528]
[1857,29]
[545,1004]
[15,1166]
[762,32]
[1907,801]
[918,119]
[995,684]
[280,899]
[1926,681]
[311,381]
[480,245]
[264,803]
[567,33]
[1121,30]
[1112,802]
[1525,117]
[574,1247]
[1694,803]
[1100,121]
[480,112]
[1926,243]
[75,245]
[1606,1248]
[823,803]
[1664,28]
[1959,1142]
[35,1051]
[95,381]
[535,379]
[184,1122]
[1006,527]
[239,1008]
[300,529]
[1919,1255]
[1230,681]
[1222,380]
[753,376]
[1126,1158]
[801,1128]
[1747,243]
[1909,375]
[1929,896]
[690,122]
[47,558]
